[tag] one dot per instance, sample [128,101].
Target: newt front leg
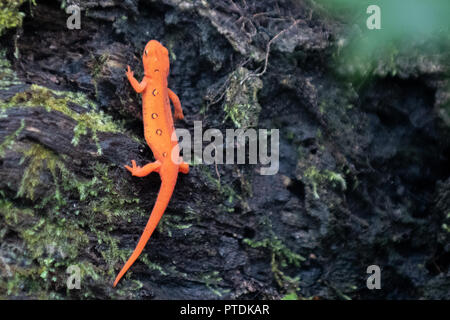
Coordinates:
[138,171]
[178,114]
[138,87]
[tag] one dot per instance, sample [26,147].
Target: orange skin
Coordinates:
[159,134]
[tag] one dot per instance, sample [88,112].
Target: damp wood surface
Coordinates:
[363,177]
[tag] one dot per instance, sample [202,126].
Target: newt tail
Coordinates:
[168,182]
[159,134]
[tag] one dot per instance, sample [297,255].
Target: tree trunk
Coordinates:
[363,175]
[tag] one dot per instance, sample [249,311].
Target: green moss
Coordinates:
[445,226]
[48,248]
[10,139]
[174,222]
[46,240]
[212,281]
[178,222]
[98,64]
[67,212]
[316,177]
[10,16]
[151,265]
[39,158]
[241,102]
[226,192]
[239,113]
[228,197]
[62,225]
[281,257]
[97,68]
[283,254]
[290,296]
[91,120]
[8,77]
[13,215]
[110,250]
[172,54]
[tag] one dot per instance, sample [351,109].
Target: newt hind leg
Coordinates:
[138,171]
[184,168]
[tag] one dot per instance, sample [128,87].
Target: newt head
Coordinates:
[156,60]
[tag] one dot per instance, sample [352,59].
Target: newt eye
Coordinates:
[145,51]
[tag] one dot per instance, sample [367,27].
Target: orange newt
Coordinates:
[159,134]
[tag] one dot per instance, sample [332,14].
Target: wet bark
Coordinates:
[363,175]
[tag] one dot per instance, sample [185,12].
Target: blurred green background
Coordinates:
[410,29]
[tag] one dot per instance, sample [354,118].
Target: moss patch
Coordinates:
[316,177]
[241,103]
[90,121]
[10,139]
[8,77]
[281,257]
[77,215]
[10,16]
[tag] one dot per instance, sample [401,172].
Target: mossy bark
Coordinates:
[363,174]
